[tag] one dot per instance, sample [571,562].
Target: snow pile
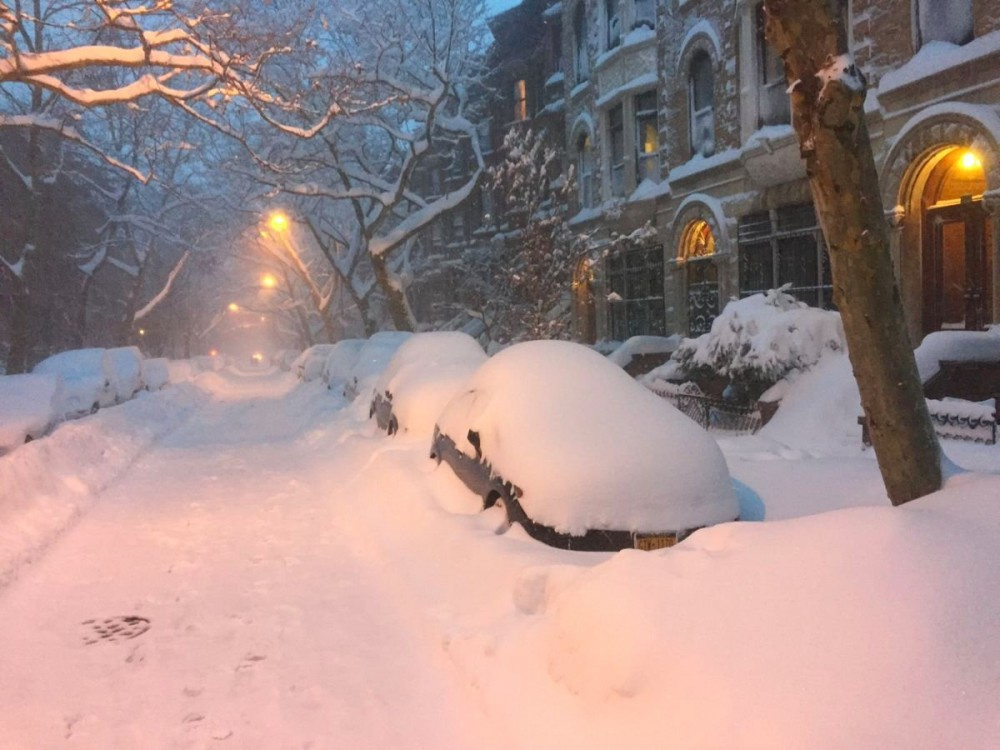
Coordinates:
[760,339]
[181,370]
[46,483]
[372,359]
[87,376]
[309,365]
[424,374]
[868,627]
[587,445]
[29,405]
[340,363]
[155,373]
[639,346]
[956,407]
[126,366]
[956,346]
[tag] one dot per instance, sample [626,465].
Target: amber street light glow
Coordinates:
[278,222]
[969,160]
[233,307]
[142,331]
[268,281]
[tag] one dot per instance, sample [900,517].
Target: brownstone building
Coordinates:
[676,116]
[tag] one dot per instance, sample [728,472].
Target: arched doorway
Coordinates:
[956,263]
[696,254]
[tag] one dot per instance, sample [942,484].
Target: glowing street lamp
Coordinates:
[233,307]
[142,331]
[268,281]
[278,222]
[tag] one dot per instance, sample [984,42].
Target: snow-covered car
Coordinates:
[308,366]
[340,363]
[421,378]
[155,373]
[29,406]
[372,359]
[126,364]
[181,370]
[579,454]
[87,380]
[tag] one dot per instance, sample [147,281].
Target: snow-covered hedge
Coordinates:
[758,340]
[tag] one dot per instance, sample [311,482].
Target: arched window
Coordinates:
[944,21]
[585,170]
[701,104]
[581,63]
[613,15]
[774,105]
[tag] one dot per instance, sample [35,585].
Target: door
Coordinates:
[957,267]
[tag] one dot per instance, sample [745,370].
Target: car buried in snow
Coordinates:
[422,376]
[579,454]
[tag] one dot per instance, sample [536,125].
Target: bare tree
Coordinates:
[828,92]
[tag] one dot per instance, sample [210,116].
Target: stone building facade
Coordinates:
[677,119]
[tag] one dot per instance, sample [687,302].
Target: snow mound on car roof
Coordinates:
[425,373]
[588,446]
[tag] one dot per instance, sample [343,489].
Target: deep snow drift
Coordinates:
[311,582]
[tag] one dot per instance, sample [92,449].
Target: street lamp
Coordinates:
[233,307]
[268,281]
[278,222]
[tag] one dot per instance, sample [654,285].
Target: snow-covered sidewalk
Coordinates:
[269,625]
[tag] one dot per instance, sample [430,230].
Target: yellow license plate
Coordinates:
[650,542]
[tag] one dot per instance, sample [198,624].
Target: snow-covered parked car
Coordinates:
[579,454]
[339,365]
[372,359]
[126,364]
[309,365]
[181,370]
[155,373]
[421,378]
[29,406]
[87,380]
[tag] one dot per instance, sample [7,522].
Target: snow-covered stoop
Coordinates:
[46,484]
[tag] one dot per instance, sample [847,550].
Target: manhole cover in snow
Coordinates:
[114,629]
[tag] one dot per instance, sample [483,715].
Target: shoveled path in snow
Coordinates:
[271,626]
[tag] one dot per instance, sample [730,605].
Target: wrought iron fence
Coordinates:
[715,414]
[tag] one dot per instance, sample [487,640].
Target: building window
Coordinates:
[616,151]
[701,104]
[944,21]
[585,170]
[647,138]
[581,63]
[645,14]
[635,301]
[613,14]
[785,246]
[520,100]
[774,104]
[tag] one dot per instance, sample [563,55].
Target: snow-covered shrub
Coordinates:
[758,340]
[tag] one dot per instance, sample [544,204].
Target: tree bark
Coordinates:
[828,94]
[399,305]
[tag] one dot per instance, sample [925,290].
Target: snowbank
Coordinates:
[589,447]
[862,628]
[29,405]
[126,365]
[87,376]
[639,346]
[46,483]
[155,373]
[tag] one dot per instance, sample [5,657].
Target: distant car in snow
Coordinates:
[341,362]
[373,356]
[309,365]
[422,376]
[155,373]
[126,365]
[88,380]
[29,406]
[579,454]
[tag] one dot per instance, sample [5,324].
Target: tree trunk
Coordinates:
[20,328]
[828,94]
[399,306]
